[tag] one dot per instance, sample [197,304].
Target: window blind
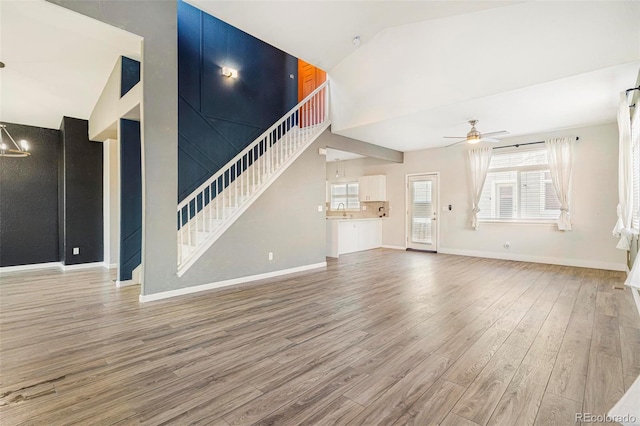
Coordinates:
[422,211]
[346,194]
[519,187]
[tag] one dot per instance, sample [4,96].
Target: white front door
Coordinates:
[422,209]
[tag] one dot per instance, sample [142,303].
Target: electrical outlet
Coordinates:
[320,209]
[507,244]
[270,256]
[364,208]
[76,250]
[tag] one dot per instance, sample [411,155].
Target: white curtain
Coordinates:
[479,160]
[623,228]
[560,156]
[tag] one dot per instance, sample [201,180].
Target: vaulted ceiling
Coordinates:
[425,68]
[422,70]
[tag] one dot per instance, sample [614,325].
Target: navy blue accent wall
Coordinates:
[130,75]
[80,194]
[219,116]
[29,199]
[130,198]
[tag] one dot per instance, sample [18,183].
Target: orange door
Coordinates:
[309,78]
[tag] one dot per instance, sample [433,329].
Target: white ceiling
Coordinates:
[321,32]
[57,61]
[425,67]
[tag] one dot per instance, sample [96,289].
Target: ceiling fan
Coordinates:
[475,136]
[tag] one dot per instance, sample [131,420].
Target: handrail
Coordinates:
[188,199]
[208,211]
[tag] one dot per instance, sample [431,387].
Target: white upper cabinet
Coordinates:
[372,188]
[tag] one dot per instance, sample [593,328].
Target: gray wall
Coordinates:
[156,21]
[344,143]
[283,220]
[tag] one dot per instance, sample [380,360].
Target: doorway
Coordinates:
[309,79]
[422,211]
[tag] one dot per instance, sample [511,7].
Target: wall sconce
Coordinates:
[229,72]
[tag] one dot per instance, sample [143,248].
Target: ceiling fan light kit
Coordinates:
[474,136]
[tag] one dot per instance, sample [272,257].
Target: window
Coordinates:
[422,211]
[345,194]
[519,188]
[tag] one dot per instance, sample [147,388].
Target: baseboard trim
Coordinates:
[198,252]
[581,263]
[111,266]
[32,267]
[226,283]
[126,283]
[81,266]
[59,265]
[387,246]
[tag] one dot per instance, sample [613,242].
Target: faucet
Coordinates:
[344,212]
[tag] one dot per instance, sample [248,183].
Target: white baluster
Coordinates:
[207,222]
[229,188]
[189,224]
[269,155]
[180,237]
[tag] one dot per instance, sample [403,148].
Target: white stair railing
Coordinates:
[207,212]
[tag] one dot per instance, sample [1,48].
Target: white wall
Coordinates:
[594,203]
[110,107]
[111,194]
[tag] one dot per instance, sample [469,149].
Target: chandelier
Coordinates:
[20,150]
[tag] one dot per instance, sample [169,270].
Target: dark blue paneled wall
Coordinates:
[130,75]
[218,116]
[130,198]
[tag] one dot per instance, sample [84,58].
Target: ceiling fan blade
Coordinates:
[489,140]
[456,143]
[454,137]
[501,132]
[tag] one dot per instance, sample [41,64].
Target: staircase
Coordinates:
[212,208]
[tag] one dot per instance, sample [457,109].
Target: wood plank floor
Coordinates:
[380,337]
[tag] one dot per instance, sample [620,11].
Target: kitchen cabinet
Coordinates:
[372,188]
[347,236]
[369,234]
[351,235]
